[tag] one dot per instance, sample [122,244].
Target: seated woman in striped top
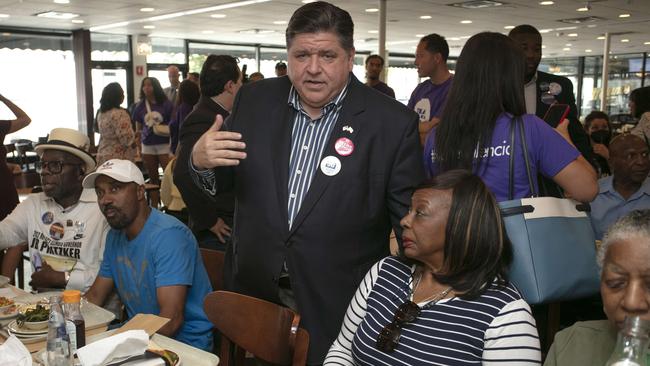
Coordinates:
[446,299]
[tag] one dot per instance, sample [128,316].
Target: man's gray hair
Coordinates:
[633,225]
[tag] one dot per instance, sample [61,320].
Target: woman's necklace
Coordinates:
[431,300]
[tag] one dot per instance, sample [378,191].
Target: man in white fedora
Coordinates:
[62,226]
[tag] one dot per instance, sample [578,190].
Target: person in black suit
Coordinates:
[322,167]
[210,221]
[542,90]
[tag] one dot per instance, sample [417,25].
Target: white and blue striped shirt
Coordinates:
[308,140]
[495,328]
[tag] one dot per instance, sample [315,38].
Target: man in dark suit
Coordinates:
[322,167]
[542,90]
[210,221]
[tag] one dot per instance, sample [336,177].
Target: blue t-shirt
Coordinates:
[164,253]
[548,154]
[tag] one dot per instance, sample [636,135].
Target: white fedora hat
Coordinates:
[70,141]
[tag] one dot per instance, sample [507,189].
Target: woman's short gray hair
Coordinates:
[633,225]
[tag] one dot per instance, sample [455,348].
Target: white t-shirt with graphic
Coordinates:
[70,239]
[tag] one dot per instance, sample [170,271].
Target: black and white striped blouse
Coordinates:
[495,328]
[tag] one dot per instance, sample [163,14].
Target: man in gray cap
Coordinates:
[63,227]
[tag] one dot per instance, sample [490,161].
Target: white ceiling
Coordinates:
[403,29]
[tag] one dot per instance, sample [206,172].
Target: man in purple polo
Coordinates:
[429,97]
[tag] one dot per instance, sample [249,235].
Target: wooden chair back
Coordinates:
[268,331]
[213,262]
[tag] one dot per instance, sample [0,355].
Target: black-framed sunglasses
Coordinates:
[54,166]
[389,336]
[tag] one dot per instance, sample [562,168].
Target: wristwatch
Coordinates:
[66,276]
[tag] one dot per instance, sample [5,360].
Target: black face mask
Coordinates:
[601,137]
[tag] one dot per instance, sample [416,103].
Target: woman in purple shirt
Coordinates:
[152,115]
[188,95]
[487,95]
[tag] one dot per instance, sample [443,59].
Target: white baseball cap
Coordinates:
[121,170]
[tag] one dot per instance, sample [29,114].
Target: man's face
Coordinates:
[531,44]
[373,68]
[173,74]
[629,159]
[61,174]
[426,62]
[318,67]
[118,201]
[280,71]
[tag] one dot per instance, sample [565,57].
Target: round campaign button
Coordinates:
[554,88]
[344,146]
[330,166]
[548,98]
[47,217]
[57,231]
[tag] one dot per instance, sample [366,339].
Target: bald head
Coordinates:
[173,73]
[628,159]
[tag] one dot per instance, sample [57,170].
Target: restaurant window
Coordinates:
[402,76]
[269,57]
[625,72]
[39,77]
[200,51]
[165,52]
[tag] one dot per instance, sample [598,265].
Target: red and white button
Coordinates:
[344,146]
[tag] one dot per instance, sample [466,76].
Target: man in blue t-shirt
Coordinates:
[151,258]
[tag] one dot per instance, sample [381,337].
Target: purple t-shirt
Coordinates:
[548,154]
[147,136]
[428,99]
[176,123]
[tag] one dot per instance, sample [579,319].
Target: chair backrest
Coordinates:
[213,262]
[266,330]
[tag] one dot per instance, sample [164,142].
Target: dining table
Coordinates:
[97,320]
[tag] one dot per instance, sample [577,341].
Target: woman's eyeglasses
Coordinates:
[388,338]
[54,166]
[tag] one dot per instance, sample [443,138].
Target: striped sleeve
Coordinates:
[511,338]
[340,352]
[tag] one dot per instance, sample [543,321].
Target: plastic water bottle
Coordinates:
[58,341]
[631,344]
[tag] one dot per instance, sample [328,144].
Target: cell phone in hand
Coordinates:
[556,113]
[37,262]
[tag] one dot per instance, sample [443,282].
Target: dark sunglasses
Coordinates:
[389,336]
[54,167]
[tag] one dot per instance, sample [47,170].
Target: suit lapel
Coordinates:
[353,105]
[281,149]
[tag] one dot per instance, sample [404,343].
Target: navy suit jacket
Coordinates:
[344,222]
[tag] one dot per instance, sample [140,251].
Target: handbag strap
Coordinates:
[511,172]
[517,123]
[524,146]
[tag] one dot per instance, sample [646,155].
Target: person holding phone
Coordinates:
[542,90]
[474,131]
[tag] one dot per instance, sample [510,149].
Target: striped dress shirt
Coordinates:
[308,140]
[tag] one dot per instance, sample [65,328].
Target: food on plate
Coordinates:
[33,315]
[170,358]
[8,310]
[5,301]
